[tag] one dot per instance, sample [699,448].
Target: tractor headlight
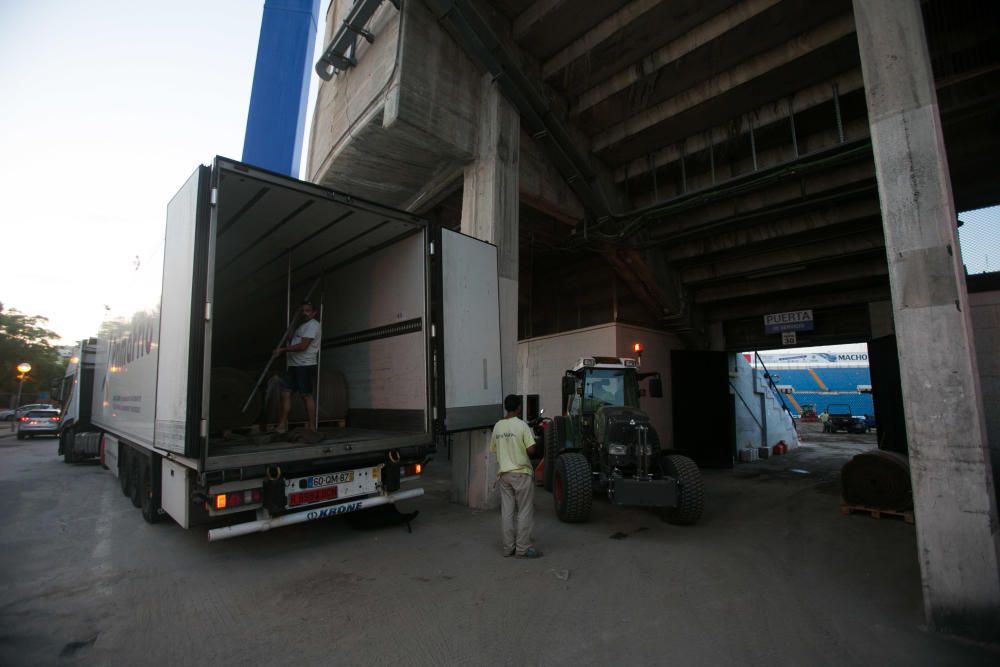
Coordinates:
[617,450]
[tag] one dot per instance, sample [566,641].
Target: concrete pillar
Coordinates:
[956,514]
[490,205]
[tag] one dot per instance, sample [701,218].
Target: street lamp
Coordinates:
[24,367]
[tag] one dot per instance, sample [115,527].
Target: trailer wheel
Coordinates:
[150,507]
[123,466]
[135,487]
[690,491]
[572,488]
[66,446]
[555,436]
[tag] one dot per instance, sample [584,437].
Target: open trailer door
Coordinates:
[470,315]
[183,315]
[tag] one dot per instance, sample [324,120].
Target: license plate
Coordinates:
[328,479]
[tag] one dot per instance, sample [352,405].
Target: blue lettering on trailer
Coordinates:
[331,511]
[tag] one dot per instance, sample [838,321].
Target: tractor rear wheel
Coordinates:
[552,443]
[690,490]
[571,488]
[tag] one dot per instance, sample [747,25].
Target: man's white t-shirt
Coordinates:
[310,355]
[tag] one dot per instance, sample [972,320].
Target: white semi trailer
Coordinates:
[410,350]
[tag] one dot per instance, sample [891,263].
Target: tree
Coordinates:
[25,338]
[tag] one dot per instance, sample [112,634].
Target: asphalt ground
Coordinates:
[774,574]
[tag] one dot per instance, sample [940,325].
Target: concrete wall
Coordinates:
[542,362]
[779,425]
[985,312]
[399,127]
[406,113]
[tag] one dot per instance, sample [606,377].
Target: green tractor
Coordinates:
[605,442]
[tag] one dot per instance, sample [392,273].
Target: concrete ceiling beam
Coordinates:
[782,279]
[547,26]
[644,193]
[767,114]
[775,202]
[533,15]
[821,250]
[721,240]
[833,298]
[806,43]
[645,282]
[699,36]
[692,255]
[605,30]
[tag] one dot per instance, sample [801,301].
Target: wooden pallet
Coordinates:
[878,512]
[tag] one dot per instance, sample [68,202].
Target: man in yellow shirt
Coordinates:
[513,442]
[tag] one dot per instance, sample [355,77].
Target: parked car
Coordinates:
[25,409]
[842,419]
[8,415]
[38,422]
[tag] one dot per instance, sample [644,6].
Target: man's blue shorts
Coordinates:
[299,379]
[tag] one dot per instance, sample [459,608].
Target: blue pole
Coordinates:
[277,117]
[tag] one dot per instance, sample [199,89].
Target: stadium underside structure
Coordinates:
[687,167]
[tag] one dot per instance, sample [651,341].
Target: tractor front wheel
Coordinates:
[571,488]
[690,490]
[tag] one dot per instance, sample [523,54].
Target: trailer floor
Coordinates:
[773,575]
[270,441]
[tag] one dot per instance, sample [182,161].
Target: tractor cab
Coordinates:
[595,385]
[595,382]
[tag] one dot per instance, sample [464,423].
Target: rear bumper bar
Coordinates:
[262,525]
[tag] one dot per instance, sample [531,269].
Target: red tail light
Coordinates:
[24,419]
[224,501]
[412,470]
[55,419]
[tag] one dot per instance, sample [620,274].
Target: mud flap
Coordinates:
[274,495]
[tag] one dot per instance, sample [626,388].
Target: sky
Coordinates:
[108,106]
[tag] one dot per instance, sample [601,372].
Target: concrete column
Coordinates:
[490,205]
[956,514]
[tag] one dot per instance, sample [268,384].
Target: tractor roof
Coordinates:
[604,362]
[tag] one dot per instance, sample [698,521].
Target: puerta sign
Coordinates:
[796,320]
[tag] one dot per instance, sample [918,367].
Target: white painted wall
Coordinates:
[748,410]
[542,361]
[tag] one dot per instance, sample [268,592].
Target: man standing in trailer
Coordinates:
[300,378]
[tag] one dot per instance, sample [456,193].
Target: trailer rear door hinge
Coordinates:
[433,331]
[203,428]
[214,199]
[432,247]
[208,311]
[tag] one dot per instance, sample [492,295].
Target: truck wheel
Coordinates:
[555,436]
[135,488]
[571,488]
[66,446]
[123,467]
[150,508]
[690,490]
